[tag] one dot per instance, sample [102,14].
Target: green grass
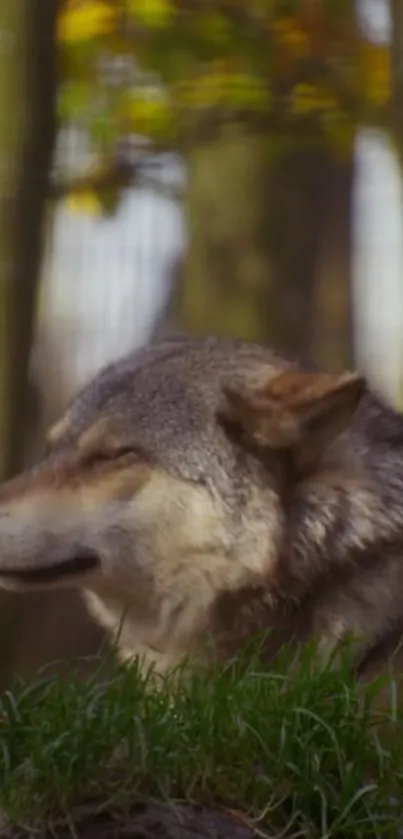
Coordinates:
[299,753]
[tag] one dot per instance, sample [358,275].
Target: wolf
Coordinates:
[204,489]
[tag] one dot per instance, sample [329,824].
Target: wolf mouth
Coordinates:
[83,561]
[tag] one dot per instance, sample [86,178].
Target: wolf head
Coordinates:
[168,481]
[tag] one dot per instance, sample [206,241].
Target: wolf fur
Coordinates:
[204,489]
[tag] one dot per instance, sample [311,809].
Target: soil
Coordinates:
[146,821]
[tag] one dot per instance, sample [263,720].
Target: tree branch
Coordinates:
[106,176]
[114,175]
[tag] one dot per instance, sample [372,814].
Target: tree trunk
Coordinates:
[255,225]
[332,344]
[396,10]
[28,84]
[396,13]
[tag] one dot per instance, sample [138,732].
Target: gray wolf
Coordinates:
[204,489]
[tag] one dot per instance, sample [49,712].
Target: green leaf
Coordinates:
[74,100]
[154,13]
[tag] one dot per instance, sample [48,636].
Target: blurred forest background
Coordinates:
[232,166]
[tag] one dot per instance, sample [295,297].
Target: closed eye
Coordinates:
[114,454]
[107,456]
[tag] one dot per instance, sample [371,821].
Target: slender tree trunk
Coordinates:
[332,344]
[254,213]
[396,10]
[28,83]
[396,13]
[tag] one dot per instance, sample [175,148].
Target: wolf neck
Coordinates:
[138,629]
[336,520]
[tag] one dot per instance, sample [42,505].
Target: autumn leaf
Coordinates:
[290,35]
[158,68]
[215,28]
[376,73]
[86,202]
[82,20]
[74,99]
[230,89]
[148,113]
[340,132]
[154,13]
[307,98]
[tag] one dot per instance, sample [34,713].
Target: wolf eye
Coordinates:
[109,455]
[122,451]
[116,454]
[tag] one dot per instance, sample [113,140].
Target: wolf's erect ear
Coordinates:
[298,411]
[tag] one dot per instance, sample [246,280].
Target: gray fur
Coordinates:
[314,553]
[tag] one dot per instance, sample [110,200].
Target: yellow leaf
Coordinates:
[376,73]
[154,13]
[307,98]
[289,34]
[215,28]
[340,133]
[221,87]
[84,202]
[150,115]
[246,91]
[81,21]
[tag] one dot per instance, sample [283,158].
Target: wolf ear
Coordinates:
[298,411]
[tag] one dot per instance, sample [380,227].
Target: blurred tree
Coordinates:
[396,9]
[254,213]
[396,15]
[28,84]
[332,337]
[261,97]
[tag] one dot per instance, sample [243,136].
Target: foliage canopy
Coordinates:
[176,70]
